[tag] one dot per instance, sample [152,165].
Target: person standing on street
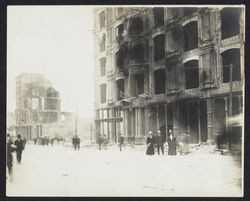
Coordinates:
[150,144]
[121,140]
[99,142]
[78,141]
[10,147]
[172,144]
[159,142]
[19,148]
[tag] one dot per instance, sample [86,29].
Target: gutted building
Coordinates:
[168,68]
[37,105]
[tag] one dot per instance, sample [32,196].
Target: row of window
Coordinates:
[193,78]
[229,18]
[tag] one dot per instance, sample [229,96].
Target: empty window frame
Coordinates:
[137,53]
[158,16]
[139,84]
[192,74]
[102,19]
[159,47]
[136,26]
[231,56]
[120,89]
[121,57]
[160,81]
[103,43]
[103,66]
[119,32]
[230,22]
[190,34]
[103,88]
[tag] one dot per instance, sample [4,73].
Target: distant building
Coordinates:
[168,68]
[37,104]
[11,123]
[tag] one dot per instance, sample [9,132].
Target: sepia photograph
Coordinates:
[125,100]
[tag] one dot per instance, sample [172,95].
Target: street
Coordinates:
[61,171]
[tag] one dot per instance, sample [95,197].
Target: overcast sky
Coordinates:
[56,41]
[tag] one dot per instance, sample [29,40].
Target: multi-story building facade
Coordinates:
[37,104]
[161,68]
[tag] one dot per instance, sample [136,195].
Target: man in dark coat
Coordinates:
[19,148]
[150,144]
[77,141]
[10,147]
[172,144]
[159,142]
[99,142]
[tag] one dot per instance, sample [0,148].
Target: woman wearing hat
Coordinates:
[150,144]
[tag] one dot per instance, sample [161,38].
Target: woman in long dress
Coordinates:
[150,144]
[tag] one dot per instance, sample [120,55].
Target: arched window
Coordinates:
[159,47]
[230,23]
[103,66]
[137,53]
[103,88]
[231,56]
[191,74]
[136,26]
[160,81]
[158,16]
[190,36]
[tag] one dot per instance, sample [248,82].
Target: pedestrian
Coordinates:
[121,140]
[10,147]
[172,144]
[105,142]
[52,141]
[19,148]
[150,144]
[74,142]
[99,142]
[24,142]
[159,142]
[78,141]
[35,140]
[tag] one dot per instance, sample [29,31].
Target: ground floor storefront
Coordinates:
[202,120]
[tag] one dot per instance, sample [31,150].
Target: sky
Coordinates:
[56,41]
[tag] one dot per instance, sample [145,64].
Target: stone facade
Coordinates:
[167,68]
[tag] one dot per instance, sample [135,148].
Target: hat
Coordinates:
[150,132]
[19,136]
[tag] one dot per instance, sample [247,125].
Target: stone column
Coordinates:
[176,119]
[199,122]
[146,119]
[210,123]
[166,119]
[157,118]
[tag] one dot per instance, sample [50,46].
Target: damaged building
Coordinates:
[161,68]
[37,105]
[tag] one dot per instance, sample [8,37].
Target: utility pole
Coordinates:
[230,105]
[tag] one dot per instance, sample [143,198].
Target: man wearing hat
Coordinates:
[159,142]
[150,144]
[19,148]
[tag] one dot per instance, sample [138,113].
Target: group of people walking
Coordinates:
[17,146]
[157,141]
